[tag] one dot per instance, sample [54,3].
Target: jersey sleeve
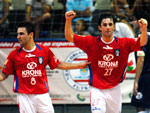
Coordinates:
[9,65]
[134,44]
[53,61]
[83,42]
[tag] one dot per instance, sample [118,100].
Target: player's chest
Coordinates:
[25,59]
[106,50]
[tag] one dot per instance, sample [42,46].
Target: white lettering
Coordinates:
[31,73]
[104,64]
[58,44]
[6,44]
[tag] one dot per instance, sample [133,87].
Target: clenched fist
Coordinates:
[70,15]
[143,24]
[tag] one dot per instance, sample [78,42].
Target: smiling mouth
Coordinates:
[107,31]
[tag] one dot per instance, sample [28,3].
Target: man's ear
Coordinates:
[31,34]
[99,27]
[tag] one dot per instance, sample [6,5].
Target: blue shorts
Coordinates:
[144,88]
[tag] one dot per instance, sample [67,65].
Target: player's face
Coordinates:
[107,27]
[23,36]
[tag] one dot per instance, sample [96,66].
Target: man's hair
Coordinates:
[28,25]
[104,16]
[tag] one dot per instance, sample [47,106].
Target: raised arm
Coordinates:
[68,28]
[143,26]
[3,76]
[66,66]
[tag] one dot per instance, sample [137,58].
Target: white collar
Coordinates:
[29,50]
[107,42]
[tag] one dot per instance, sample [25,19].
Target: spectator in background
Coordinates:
[83,10]
[143,8]
[4,13]
[134,23]
[121,8]
[100,7]
[38,12]
[81,28]
[58,17]
[122,29]
[63,2]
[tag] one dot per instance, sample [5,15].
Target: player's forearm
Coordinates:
[139,68]
[3,76]
[68,31]
[42,18]
[143,26]
[143,38]
[66,66]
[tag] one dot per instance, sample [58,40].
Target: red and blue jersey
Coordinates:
[29,69]
[108,59]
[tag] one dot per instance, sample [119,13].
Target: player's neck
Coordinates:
[29,46]
[107,39]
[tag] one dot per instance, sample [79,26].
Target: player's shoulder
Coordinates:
[85,37]
[125,38]
[16,50]
[41,47]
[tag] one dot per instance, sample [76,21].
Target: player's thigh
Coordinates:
[44,103]
[98,103]
[114,102]
[25,103]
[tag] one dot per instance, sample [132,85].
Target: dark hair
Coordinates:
[104,16]
[28,25]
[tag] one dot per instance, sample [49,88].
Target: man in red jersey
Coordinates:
[108,56]
[27,63]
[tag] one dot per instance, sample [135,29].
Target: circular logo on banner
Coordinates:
[77,78]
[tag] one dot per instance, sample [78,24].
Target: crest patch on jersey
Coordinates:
[40,59]
[117,52]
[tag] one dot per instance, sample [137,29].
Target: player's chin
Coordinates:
[108,35]
[20,42]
